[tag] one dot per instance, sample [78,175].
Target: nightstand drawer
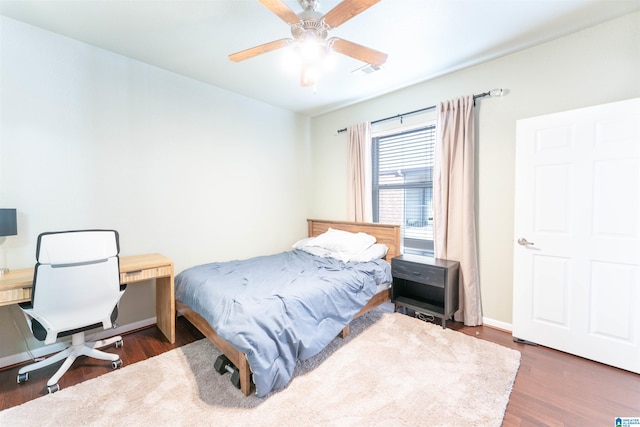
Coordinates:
[420,273]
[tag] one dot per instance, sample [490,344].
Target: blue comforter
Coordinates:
[281,308]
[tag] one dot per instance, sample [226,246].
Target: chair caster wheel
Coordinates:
[119,343]
[116,364]
[53,388]
[22,378]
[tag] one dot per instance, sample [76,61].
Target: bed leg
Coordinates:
[245,377]
[344,332]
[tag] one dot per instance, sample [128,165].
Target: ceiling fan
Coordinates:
[309,30]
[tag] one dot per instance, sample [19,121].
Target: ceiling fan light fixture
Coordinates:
[312,49]
[311,70]
[310,75]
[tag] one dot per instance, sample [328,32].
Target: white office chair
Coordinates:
[76,287]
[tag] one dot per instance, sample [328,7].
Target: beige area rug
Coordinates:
[392,370]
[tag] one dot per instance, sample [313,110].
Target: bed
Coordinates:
[231,337]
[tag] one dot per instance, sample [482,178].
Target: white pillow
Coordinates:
[302,243]
[342,244]
[377,251]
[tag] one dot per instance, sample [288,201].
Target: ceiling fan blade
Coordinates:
[359,52]
[346,10]
[259,50]
[282,10]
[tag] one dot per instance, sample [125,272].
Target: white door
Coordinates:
[577,233]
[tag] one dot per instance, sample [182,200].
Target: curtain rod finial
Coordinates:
[497,92]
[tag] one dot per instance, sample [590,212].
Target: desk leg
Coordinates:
[166,307]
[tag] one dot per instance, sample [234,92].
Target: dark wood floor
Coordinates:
[551,389]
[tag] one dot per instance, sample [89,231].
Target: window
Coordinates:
[402,184]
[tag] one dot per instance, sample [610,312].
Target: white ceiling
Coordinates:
[423,38]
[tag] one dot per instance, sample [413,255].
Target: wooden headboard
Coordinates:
[384,233]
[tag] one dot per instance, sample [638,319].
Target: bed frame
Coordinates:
[384,233]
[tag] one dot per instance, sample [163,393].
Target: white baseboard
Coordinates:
[44,351]
[508,327]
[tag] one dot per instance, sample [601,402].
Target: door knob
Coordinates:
[524,242]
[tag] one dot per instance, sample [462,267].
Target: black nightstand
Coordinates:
[426,285]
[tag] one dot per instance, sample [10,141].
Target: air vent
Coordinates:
[366,70]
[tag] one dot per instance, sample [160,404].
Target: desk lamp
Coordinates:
[8,227]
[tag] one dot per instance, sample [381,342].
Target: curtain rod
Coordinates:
[493,92]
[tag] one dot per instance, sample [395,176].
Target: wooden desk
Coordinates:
[15,286]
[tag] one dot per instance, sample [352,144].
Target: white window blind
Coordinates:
[402,184]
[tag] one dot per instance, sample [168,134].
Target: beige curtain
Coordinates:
[359,173]
[454,201]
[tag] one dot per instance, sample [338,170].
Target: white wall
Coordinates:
[594,66]
[91,139]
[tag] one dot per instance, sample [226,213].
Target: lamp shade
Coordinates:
[8,222]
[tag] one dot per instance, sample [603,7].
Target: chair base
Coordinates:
[78,347]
